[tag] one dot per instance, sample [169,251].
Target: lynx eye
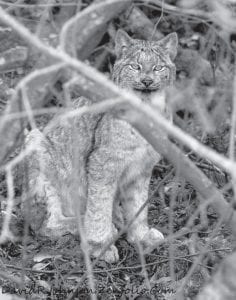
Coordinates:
[135,67]
[158,68]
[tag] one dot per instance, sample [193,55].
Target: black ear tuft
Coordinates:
[170,44]
[122,42]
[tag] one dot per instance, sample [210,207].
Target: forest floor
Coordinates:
[52,269]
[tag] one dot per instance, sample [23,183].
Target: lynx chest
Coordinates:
[120,140]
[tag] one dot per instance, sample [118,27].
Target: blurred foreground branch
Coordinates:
[223,283]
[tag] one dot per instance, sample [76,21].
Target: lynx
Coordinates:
[96,163]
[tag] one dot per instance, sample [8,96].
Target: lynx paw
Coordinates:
[152,238]
[59,227]
[147,237]
[110,256]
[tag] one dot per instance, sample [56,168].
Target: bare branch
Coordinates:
[6,232]
[222,286]
[88,27]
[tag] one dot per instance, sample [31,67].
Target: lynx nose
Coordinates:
[147,81]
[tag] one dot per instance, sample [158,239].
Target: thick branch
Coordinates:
[223,284]
[87,28]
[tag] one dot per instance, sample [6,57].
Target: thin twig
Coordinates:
[28,107]
[6,232]
[16,4]
[144,271]
[159,20]
[233,130]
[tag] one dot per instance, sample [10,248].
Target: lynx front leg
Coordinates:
[135,194]
[42,205]
[45,214]
[98,218]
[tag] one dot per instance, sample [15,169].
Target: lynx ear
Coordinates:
[170,44]
[122,42]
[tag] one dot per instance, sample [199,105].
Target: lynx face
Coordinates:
[144,66]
